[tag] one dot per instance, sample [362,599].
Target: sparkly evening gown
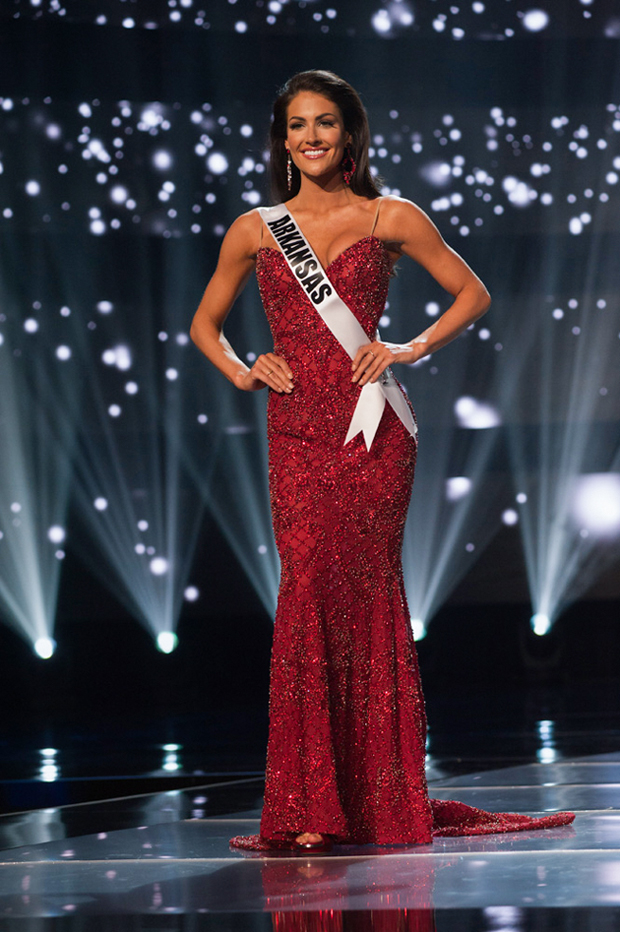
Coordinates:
[347,729]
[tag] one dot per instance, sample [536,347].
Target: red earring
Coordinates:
[348,166]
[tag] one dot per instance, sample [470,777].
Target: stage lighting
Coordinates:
[510,517]
[540,623]
[167,641]
[159,566]
[475,415]
[217,163]
[45,647]
[535,20]
[419,629]
[596,503]
[457,487]
[56,534]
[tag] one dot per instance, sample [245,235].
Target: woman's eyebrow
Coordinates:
[319,117]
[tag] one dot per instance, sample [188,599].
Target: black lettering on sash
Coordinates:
[302,271]
[297,256]
[323,291]
[276,224]
[292,240]
[312,281]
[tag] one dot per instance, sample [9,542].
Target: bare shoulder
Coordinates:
[401,219]
[243,236]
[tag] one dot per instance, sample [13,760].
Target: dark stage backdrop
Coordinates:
[132,477]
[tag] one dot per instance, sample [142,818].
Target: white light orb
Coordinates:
[131,388]
[100,504]
[540,624]
[457,487]
[63,353]
[191,594]
[114,410]
[56,534]
[521,498]
[437,174]
[419,629]
[381,22]
[431,309]
[31,325]
[162,159]
[119,194]
[167,641]
[45,647]
[159,566]
[510,517]
[475,415]
[33,188]
[596,503]
[172,375]
[108,357]
[143,525]
[122,358]
[151,116]
[535,20]
[217,163]
[105,307]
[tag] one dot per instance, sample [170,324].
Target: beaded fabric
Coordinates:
[347,724]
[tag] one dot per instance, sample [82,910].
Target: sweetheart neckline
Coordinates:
[340,254]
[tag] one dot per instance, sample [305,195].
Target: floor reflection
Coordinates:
[334,920]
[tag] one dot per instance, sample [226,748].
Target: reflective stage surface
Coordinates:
[164,858]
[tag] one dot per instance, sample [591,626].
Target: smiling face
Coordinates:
[315,137]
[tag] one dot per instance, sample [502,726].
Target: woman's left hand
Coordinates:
[373,358]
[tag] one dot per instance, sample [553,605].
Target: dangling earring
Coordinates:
[289,170]
[348,165]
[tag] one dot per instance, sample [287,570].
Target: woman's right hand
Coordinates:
[270,370]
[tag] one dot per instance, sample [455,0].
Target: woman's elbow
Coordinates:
[484,299]
[193,332]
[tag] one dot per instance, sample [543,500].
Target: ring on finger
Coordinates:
[269,373]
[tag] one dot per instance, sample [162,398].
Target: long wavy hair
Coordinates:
[329,85]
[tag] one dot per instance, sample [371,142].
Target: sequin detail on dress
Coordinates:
[347,726]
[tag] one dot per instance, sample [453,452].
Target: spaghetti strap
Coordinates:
[260,242]
[374,224]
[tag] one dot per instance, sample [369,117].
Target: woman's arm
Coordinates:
[235,264]
[413,234]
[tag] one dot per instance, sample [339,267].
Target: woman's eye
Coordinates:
[295,126]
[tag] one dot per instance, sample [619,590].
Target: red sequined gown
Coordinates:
[347,723]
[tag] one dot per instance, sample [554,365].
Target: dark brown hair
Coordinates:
[329,85]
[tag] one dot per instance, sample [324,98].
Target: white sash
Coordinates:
[340,320]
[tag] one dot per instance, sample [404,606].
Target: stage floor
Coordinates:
[152,862]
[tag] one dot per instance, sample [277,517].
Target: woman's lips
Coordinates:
[314,153]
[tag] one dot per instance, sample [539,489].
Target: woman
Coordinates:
[345,760]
